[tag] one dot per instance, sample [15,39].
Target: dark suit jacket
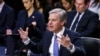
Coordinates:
[6,18]
[87,25]
[44,45]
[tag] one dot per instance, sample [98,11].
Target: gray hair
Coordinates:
[62,13]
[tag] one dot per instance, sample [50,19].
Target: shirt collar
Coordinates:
[2,4]
[60,32]
[81,13]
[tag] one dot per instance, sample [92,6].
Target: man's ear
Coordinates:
[63,22]
[88,4]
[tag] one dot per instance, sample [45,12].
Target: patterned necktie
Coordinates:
[55,48]
[75,23]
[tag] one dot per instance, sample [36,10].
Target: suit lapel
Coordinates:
[70,17]
[84,17]
[47,41]
[61,47]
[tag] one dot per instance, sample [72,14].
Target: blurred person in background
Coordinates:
[68,5]
[7,19]
[32,18]
[39,4]
[83,20]
[95,6]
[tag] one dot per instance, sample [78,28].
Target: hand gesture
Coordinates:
[64,41]
[34,24]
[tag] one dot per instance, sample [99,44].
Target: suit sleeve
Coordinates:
[37,47]
[9,21]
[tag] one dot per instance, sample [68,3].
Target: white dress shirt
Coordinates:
[1,6]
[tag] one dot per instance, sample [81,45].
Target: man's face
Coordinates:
[54,23]
[27,4]
[80,5]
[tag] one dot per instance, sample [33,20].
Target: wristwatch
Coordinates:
[70,47]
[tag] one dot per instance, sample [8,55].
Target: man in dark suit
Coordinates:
[87,21]
[57,41]
[6,22]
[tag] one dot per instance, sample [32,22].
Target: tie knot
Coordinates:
[55,36]
[79,13]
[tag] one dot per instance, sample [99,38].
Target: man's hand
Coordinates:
[23,34]
[64,41]
[34,24]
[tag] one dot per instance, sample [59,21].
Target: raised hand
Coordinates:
[34,24]
[64,41]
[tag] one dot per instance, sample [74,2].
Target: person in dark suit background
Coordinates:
[7,19]
[29,17]
[68,42]
[87,21]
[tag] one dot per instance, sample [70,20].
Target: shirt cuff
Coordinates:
[26,42]
[71,49]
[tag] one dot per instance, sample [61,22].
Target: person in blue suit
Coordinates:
[32,18]
[87,21]
[66,42]
[7,19]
